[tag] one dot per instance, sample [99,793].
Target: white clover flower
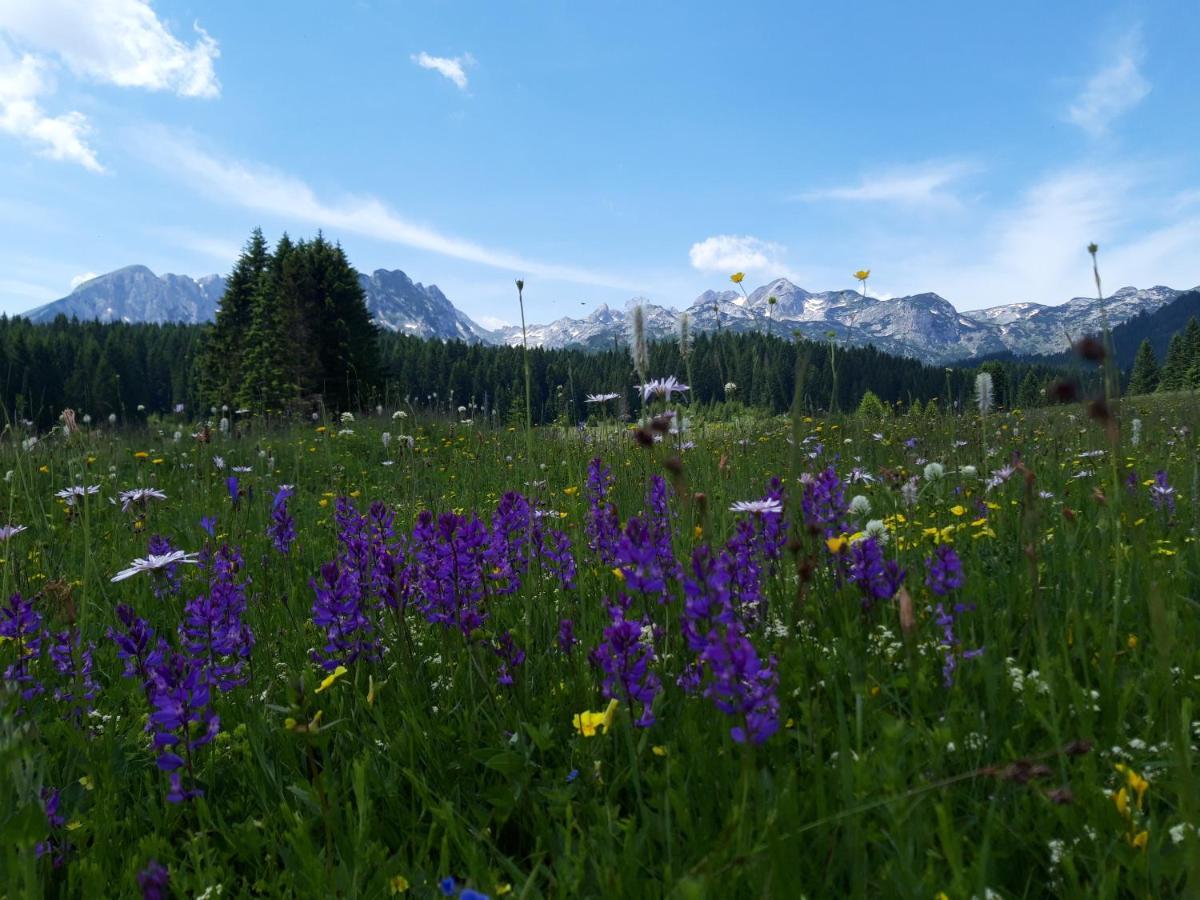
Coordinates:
[934,471]
[876,529]
[860,505]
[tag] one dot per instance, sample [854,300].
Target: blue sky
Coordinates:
[607,150]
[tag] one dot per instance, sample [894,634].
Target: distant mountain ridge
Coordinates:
[925,326]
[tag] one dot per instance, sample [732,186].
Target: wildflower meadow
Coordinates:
[938,654]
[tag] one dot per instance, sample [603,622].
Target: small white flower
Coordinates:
[386,437]
[9,531]
[934,471]
[968,471]
[600,398]
[347,417]
[860,505]
[399,414]
[219,463]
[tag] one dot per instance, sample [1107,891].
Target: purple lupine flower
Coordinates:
[136,646]
[658,518]
[22,624]
[72,659]
[566,636]
[451,554]
[510,544]
[943,570]
[339,608]
[1162,495]
[707,604]
[742,685]
[824,502]
[182,718]
[55,820]
[876,578]
[511,656]
[624,657]
[639,559]
[950,644]
[603,523]
[554,550]
[213,631]
[282,529]
[154,881]
[741,559]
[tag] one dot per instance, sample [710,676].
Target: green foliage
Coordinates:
[871,407]
[421,765]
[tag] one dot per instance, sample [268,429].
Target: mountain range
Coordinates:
[925,326]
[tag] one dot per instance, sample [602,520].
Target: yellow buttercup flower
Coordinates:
[659,750]
[331,678]
[862,274]
[836,544]
[737,277]
[958,510]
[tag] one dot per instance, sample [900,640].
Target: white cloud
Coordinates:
[116,42]
[925,185]
[120,42]
[453,67]
[1112,91]
[269,191]
[23,80]
[729,253]
[1036,249]
[80,279]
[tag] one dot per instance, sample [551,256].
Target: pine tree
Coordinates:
[1191,346]
[1144,378]
[1174,374]
[1029,394]
[221,359]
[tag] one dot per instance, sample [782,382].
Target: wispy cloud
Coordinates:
[1112,91]
[729,253]
[1035,249]
[452,67]
[928,184]
[276,193]
[80,279]
[115,42]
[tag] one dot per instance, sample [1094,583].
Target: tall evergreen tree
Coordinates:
[1174,374]
[1144,378]
[222,358]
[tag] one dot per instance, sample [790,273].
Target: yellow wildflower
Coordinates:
[141,454]
[836,544]
[862,274]
[587,721]
[958,510]
[571,491]
[619,574]
[398,884]
[1131,642]
[89,783]
[45,470]
[659,750]
[331,678]
[737,277]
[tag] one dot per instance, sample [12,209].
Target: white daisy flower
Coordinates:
[771,506]
[154,562]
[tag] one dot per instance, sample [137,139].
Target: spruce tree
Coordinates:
[1144,378]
